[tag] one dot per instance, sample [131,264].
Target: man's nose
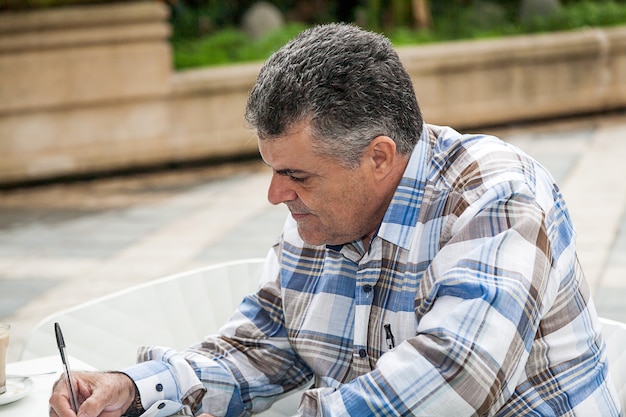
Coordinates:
[280,190]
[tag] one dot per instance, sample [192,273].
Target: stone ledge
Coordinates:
[216,80]
[488,82]
[62,59]
[83,37]
[65,18]
[83,26]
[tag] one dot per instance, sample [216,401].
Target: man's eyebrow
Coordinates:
[289,171]
[286,171]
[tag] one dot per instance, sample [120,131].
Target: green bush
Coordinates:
[493,19]
[582,14]
[230,46]
[456,24]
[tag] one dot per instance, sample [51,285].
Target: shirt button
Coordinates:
[161,406]
[367,288]
[159,387]
[362,353]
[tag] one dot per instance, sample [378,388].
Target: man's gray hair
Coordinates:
[349,84]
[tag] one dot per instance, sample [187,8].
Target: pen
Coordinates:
[66,367]
[391,342]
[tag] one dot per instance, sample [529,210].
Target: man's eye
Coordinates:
[298,179]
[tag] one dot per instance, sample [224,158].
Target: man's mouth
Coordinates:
[299,216]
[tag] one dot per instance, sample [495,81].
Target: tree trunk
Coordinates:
[421,14]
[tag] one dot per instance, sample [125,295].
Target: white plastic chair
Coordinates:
[614,333]
[174,311]
[181,309]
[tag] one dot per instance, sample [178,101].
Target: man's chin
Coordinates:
[318,240]
[311,238]
[313,241]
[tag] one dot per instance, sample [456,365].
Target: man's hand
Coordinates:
[99,395]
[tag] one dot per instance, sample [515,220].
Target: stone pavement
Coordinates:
[62,244]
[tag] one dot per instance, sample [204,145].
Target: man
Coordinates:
[420,272]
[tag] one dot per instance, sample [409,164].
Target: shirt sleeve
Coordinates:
[244,368]
[478,307]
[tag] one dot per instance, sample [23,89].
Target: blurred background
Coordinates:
[124,156]
[212,32]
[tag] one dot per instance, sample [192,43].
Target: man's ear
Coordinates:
[382,151]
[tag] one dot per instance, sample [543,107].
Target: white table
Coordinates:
[44,372]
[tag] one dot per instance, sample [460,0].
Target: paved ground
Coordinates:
[66,243]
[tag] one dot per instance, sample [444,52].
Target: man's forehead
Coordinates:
[295,154]
[295,144]
[281,155]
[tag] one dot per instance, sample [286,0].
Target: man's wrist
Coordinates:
[135,409]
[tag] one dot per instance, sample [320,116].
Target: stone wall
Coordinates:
[83,89]
[91,89]
[489,82]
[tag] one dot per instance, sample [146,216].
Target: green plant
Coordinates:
[462,19]
[584,13]
[230,46]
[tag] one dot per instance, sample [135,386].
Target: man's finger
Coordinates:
[60,406]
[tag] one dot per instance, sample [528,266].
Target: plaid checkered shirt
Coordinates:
[473,271]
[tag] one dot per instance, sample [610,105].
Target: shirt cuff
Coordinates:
[157,388]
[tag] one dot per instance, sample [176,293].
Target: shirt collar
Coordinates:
[399,222]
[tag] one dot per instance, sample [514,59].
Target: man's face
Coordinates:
[331,204]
